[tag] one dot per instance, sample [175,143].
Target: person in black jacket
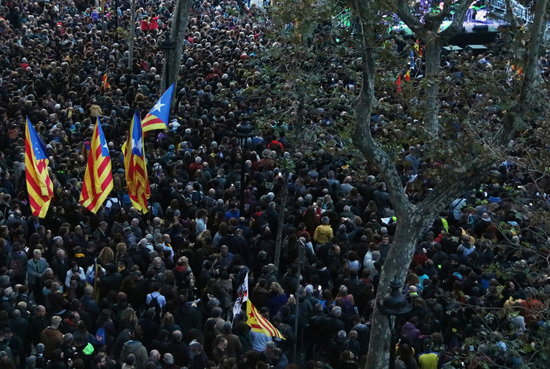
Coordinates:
[37,323]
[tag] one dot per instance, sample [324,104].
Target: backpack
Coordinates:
[100,337]
[197,197]
[113,205]
[156,304]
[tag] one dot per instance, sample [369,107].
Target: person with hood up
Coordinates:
[136,348]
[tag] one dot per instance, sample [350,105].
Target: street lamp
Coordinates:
[245,132]
[394,303]
[167,46]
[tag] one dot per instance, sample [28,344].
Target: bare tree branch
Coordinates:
[363,138]
[458,19]
[510,16]
[405,14]
[437,18]
[514,121]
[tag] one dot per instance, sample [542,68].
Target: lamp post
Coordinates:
[167,46]
[394,304]
[245,132]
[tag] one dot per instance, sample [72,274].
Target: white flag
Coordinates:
[242,296]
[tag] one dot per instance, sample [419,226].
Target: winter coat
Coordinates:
[52,338]
[35,268]
[410,331]
[136,348]
[323,234]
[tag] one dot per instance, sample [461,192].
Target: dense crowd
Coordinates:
[122,289]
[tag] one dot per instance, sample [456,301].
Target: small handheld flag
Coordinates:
[412,63]
[98,179]
[398,83]
[418,48]
[39,184]
[242,296]
[158,117]
[104,84]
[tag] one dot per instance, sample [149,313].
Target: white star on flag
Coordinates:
[158,106]
[136,145]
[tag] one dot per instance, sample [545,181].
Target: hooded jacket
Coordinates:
[136,348]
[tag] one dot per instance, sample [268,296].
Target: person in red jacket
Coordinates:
[193,167]
[144,24]
[153,24]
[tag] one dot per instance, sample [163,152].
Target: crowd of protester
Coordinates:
[121,289]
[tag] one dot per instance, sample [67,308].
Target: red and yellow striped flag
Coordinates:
[135,167]
[104,84]
[39,184]
[260,324]
[98,180]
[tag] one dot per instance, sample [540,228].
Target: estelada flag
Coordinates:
[260,324]
[135,167]
[408,75]
[158,117]
[39,184]
[104,84]
[98,179]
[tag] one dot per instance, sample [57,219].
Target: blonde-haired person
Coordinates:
[168,323]
[277,298]
[106,256]
[183,273]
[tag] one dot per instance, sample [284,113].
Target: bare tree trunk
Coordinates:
[433,66]
[434,40]
[132,34]
[515,122]
[177,34]
[531,64]
[396,267]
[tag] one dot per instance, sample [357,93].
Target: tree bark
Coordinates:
[132,34]
[515,122]
[432,54]
[177,34]
[532,62]
[407,234]
[433,42]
